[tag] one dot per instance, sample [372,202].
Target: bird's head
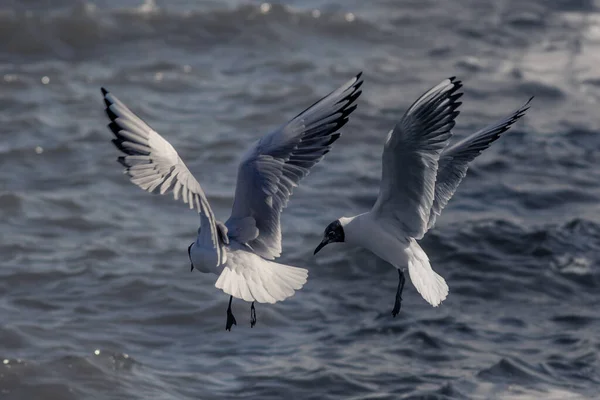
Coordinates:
[333,233]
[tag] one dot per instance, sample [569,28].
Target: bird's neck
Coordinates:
[353,226]
[366,231]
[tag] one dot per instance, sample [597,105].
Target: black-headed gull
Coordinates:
[240,250]
[419,175]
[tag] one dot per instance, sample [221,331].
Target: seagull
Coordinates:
[419,176]
[241,250]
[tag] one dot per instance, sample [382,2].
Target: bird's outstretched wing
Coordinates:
[154,165]
[271,168]
[454,160]
[410,160]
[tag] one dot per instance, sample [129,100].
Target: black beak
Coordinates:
[324,243]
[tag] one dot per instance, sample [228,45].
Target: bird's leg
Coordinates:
[230,318]
[252,315]
[398,301]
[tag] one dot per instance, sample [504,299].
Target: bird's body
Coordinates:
[377,236]
[386,241]
[248,276]
[420,173]
[241,250]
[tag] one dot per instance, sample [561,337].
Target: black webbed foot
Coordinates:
[230,318]
[398,302]
[252,315]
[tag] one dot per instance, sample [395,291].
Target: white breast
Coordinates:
[366,232]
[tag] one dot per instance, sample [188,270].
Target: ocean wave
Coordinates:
[11,203]
[483,258]
[66,377]
[84,29]
[514,370]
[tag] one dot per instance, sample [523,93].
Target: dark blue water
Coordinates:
[96,297]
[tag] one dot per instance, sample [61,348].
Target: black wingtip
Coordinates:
[358,81]
[524,108]
[333,138]
[358,85]
[121,160]
[350,109]
[111,115]
[104,91]
[114,128]
[456,86]
[353,96]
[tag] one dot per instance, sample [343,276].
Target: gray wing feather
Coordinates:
[276,163]
[410,160]
[153,164]
[455,159]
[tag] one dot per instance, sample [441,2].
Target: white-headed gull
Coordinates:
[419,175]
[240,250]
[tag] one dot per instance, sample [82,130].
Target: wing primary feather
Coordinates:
[410,159]
[154,165]
[277,163]
[454,160]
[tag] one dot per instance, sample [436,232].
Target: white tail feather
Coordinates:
[261,280]
[429,284]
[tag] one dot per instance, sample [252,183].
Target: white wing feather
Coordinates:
[154,165]
[428,283]
[276,163]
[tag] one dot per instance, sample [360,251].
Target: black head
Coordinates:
[190,256]
[333,233]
